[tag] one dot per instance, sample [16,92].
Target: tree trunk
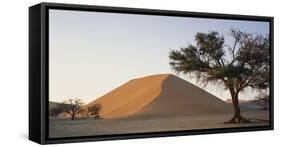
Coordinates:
[265,104]
[72,117]
[237,118]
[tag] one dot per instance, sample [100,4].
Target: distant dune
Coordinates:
[255,104]
[154,104]
[55,104]
[159,96]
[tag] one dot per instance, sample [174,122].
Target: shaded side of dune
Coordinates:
[159,96]
[181,98]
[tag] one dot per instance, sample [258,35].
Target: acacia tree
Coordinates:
[95,110]
[73,107]
[243,64]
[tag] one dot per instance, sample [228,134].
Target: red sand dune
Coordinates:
[159,95]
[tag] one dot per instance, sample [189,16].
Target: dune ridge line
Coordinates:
[159,95]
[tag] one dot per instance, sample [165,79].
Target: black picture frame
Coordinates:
[38,71]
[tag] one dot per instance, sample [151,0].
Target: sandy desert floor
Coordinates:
[90,127]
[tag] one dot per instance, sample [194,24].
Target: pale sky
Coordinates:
[91,53]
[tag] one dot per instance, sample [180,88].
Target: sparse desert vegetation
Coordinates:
[243,64]
[166,102]
[74,109]
[178,105]
[94,110]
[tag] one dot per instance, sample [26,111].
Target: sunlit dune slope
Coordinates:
[159,96]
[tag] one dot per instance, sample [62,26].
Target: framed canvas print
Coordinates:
[100,73]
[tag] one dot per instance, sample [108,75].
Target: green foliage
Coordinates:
[244,64]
